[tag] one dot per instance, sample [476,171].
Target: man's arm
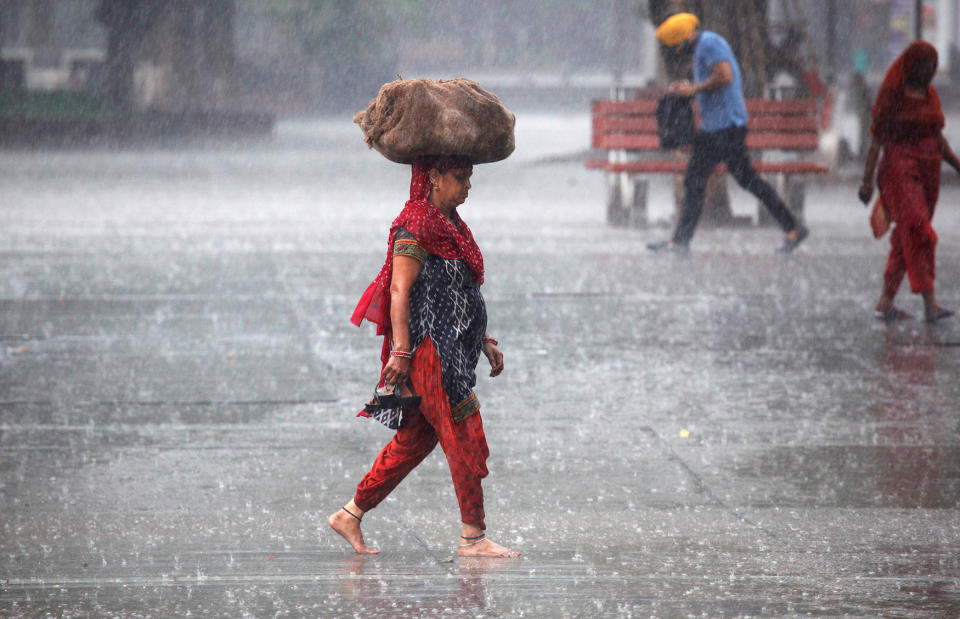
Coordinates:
[720,76]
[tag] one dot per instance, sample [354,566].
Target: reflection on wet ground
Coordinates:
[852,476]
[725,434]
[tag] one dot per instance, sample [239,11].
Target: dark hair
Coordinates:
[443,163]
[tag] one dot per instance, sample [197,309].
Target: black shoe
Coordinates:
[389,397]
[668,247]
[791,244]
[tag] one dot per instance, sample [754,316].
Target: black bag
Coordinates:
[675,126]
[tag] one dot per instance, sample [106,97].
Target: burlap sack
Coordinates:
[413,118]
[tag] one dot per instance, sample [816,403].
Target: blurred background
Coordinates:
[305,57]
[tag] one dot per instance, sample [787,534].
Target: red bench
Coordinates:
[782,135]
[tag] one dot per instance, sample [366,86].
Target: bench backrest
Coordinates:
[782,124]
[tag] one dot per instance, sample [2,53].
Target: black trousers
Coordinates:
[710,149]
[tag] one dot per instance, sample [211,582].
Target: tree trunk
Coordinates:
[743,23]
[184,49]
[126,22]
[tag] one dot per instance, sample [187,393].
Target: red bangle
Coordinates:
[401,353]
[490,340]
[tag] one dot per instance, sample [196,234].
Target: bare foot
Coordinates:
[486,548]
[937,313]
[349,529]
[884,304]
[933,311]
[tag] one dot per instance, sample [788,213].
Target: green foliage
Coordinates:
[350,46]
[509,34]
[342,29]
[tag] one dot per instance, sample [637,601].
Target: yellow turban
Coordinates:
[677,28]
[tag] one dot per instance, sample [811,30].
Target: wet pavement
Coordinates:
[724,434]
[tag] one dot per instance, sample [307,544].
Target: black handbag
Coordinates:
[675,126]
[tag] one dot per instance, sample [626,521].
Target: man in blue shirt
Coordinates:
[721,136]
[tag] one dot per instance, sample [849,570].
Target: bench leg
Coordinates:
[626,201]
[795,195]
[614,200]
[637,216]
[793,191]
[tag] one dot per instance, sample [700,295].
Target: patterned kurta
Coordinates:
[446,305]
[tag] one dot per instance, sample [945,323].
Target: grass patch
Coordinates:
[56,104]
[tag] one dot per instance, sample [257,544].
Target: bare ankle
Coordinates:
[471,540]
[884,303]
[347,525]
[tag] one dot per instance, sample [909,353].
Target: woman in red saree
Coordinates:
[427,305]
[908,128]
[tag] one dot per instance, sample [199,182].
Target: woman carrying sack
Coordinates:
[908,126]
[426,301]
[427,305]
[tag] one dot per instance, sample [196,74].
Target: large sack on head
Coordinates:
[414,118]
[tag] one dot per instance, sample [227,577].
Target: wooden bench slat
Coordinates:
[755,141]
[679,167]
[755,107]
[648,124]
[624,124]
[636,106]
[790,167]
[783,141]
[619,141]
[784,124]
[783,106]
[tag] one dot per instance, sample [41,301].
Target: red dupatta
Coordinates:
[434,232]
[897,117]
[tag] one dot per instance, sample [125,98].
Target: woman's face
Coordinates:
[450,188]
[922,72]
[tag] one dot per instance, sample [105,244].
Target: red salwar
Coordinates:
[909,181]
[463,443]
[909,129]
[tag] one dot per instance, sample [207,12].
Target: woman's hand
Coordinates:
[495,357]
[948,154]
[866,191]
[866,187]
[396,371]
